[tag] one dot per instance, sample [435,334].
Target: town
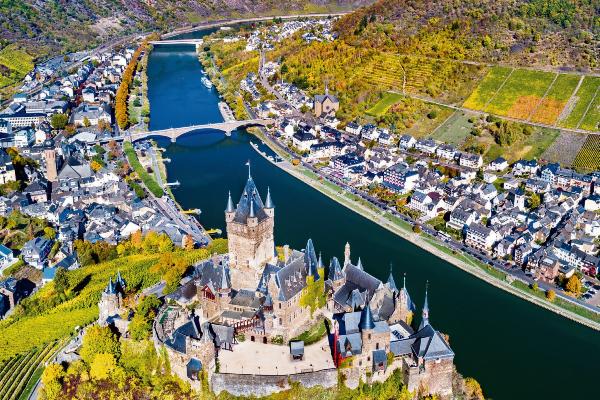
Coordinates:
[75,179]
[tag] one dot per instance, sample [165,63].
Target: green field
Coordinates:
[521,93]
[487,88]
[556,99]
[529,148]
[582,99]
[383,105]
[455,129]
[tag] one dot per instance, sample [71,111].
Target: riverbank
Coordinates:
[404,230]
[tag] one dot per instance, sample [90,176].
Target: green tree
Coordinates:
[534,201]
[313,295]
[99,340]
[61,280]
[86,122]
[59,120]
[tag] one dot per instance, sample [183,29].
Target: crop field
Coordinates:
[588,158]
[487,88]
[455,129]
[591,120]
[520,94]
[383,105]
[556,99]
[580,104]
[19,374]
[565,148]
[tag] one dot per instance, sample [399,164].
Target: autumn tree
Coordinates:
[573,285]
[61,280]
[52,380]
[99,340]
[102,366]
[59,120]
[49,233]
[550,295]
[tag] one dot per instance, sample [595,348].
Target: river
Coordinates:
[515,349]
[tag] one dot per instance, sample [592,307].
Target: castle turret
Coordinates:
[391,283]
[230,209]
[347,254]
[359,265]
[366,319]
[269,206]
[425,312]
[310,260]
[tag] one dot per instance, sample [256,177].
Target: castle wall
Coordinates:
[264,385]
[435,378]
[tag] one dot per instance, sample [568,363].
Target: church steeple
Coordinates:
[425,313]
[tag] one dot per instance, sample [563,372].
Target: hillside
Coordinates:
[67,25]
[560,33]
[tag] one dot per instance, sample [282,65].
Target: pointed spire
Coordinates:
[269,201]
[347,254]
[230,207]
[366,318]
[359,265]
[335,271]
[425,314]
[320,262]
[249,174]
[391,282]
[252,214]
[404,281]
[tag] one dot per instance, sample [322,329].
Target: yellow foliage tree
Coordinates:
[573,285]
[52,380]
[102,366]
[95,166]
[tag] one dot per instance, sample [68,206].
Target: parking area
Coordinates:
[270,359]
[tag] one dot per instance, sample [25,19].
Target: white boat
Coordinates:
[206,82]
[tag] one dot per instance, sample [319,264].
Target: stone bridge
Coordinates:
[227,127]
[194,42]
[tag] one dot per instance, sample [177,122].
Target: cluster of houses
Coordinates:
[314,30]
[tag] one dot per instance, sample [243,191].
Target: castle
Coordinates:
[255,292]
[110,305]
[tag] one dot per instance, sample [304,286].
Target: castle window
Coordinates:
[376,346]
[369,336]
[280,306]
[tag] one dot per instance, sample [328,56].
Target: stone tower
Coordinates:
[347,254]
[110,302]
[50,158]
[250,235]
[403,305]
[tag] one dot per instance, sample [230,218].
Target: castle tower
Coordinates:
[250,235]
[336,275]
[310,260]
[347,254]
[403,305]
[110,302]
[50,158]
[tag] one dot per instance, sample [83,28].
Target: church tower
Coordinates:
[250,235]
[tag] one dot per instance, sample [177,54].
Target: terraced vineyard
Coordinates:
[488,87]
[551,106]
[17,64]
[565,100]
[19,374]
[579,105]
[588,158]
[565,148]
[520,94]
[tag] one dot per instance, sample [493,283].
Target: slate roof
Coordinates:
[250,201]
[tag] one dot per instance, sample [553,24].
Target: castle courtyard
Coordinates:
[270,359]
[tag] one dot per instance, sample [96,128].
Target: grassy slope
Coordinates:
[381,107]
[583,97]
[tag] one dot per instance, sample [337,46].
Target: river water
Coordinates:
[513,348]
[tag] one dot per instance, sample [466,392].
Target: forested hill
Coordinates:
[526,32]
[44,26]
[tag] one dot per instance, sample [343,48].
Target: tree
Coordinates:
[49,233]
[86,122]
[61,280]
[95,166]
[52,380]
[99,340]
[550,295]
[473,389]
[534,201]
[573,285]
[313,295]
[535,286]
[417,229]
[59,120]
[102,366]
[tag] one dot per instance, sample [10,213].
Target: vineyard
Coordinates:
[588,158]
[565,148]
[565,100]
[20,373]
[17,62]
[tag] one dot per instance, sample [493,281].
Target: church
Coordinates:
[255,290]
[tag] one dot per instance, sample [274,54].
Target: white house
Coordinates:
[480,237]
